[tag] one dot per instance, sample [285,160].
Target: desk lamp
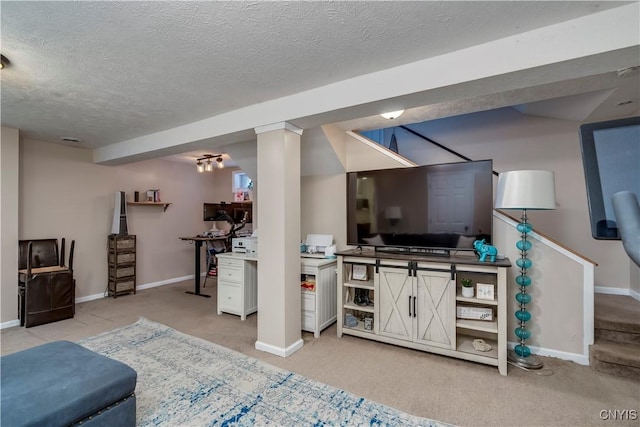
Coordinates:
[525,190]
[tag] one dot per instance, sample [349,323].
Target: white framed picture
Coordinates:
[485,291]
[359,272]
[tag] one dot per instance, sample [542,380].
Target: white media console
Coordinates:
[413,300]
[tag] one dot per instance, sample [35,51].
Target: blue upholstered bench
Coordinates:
[61,384]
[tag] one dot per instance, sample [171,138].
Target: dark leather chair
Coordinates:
[46,287]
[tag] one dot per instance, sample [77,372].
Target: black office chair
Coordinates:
[214,247]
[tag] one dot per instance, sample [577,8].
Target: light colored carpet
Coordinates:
[184,380]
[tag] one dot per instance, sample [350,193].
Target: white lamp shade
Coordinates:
[393,212]
[526,189]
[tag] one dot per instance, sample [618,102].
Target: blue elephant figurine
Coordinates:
[483,250]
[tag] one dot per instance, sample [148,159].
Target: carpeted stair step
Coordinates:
[616,349]
[617,336]
[617,319]
[620,359]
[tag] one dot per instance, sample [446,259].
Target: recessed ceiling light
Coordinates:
[4,62]
[70,139]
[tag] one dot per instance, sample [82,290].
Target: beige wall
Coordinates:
[635,278]
[64,194]
[323,207]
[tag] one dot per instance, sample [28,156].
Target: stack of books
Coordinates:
[153,196]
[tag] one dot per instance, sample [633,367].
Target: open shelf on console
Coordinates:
[478,325]
[360,284]
[352,306]
[465,344]
[359,327]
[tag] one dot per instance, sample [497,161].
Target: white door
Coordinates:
[451,202]
[435,323]
[394,301]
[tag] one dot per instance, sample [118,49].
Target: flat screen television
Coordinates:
[427,209]
[610,157]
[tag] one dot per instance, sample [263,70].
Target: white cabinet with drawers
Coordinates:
[238,289]
[318,305]
[237,284]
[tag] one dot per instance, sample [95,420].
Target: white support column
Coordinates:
[279,321]
[9,224]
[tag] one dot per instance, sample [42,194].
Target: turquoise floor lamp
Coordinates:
[525,190]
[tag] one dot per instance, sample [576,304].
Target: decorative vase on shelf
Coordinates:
[467,288]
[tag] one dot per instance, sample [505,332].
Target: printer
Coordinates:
[244,245]
[318,246]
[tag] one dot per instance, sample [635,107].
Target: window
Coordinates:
[241,181]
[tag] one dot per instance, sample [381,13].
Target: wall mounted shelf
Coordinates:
[164,204]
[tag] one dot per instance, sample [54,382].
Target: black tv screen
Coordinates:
[611,158]
[443,207]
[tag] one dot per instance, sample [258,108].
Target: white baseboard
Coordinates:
[617,291]
[278,351]
[12,323]
[580,359]
[165,282]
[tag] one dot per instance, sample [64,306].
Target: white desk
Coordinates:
[238,290]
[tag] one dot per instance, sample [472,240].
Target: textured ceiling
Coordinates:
[106,72]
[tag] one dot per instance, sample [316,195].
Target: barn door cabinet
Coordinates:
[413,301]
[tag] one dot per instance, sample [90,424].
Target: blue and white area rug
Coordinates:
[187,381]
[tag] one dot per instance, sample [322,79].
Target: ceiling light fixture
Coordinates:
[392,114]
[4,62]
[205,163]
